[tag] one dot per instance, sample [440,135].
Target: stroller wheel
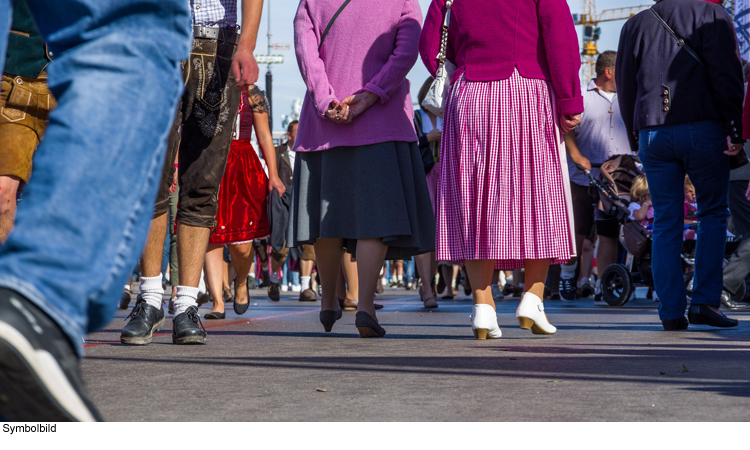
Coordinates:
[617,285]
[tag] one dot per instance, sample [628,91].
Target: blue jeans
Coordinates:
[409,270]
[669,152]
[89,203]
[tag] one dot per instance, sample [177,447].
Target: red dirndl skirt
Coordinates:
[243,205]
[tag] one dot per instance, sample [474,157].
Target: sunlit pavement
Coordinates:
[276,363]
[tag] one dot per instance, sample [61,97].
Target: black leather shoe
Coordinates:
[377,306]
[40,375]
[187,328]
[675,324]
[702,315]
[368,326]
[240,308]
[274,292]
[728,303]
[145,320]
[125,299]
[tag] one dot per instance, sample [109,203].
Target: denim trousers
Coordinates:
[88,205]
[668,152]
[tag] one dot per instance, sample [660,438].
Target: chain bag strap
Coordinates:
[434,102]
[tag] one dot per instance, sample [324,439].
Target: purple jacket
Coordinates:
[371,47]
[487,39]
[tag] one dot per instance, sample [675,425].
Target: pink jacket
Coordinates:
[371,47]
[487,39]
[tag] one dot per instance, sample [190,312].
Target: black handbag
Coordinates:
[428,159]
[735,161]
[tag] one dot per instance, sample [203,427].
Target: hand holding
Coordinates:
[434,135]
[568,122]
[732,149]
[275,183]
[357,104]
[583,162]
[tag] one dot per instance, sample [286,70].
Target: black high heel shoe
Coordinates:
[328,318]
[240,308]
[367,326]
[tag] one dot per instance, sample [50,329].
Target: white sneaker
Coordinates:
[484,322]
[296,288]
[285,288]
[530,314]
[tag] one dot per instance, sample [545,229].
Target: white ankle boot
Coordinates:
[484,322]
[530,314]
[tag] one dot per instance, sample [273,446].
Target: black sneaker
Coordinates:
[187,328]
[273,292]
[567,290]
[145,320]
[40,374]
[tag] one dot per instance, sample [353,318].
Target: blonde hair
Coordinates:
[639,189]
[688,183]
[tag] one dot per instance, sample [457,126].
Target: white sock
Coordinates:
[568,272]
[275,277]
[304,283]
[186,297]
[151,290]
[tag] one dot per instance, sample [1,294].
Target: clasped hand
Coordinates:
[350,107]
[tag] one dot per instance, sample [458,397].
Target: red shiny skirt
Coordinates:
[243,212]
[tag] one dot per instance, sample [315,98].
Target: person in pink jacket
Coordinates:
[503,193]
[359,181]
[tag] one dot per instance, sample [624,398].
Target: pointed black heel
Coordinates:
[328,318]
[368,327]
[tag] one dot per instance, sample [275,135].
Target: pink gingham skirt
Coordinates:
[503,190]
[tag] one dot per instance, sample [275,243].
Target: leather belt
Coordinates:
[227,34]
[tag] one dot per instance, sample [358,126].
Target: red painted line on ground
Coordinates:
[224,324]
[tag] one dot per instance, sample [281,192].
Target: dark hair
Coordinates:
[424,89]
[606,59]
[291,125]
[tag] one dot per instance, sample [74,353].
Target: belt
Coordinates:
[226,34]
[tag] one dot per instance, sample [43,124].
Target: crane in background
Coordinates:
[590,21]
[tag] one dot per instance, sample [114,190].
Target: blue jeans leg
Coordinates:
[6,14]
[87,208]
[665,174]
[408,270]
[285,273]
[708,169]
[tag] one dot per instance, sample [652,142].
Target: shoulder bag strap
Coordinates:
[680,42]
[330,24]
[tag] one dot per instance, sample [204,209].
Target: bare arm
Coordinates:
[642,213]
[571,147]
[244,66]
[259,106]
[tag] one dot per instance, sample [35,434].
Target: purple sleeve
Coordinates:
[563,58]
[404,53]
[311,67]
[429,40]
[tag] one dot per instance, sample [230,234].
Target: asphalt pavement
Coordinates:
[275,363]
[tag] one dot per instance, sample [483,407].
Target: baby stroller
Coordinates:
[619,281]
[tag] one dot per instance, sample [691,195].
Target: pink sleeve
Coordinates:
[429,40]
[404,55]
[685,208]
[563,58]
[310,64]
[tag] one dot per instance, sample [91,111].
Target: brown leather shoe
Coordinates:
[273,292]
[308,295]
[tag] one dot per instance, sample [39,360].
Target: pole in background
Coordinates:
[269,75]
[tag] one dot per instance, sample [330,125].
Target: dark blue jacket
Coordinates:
[659,83]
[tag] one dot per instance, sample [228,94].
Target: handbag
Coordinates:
[636,238]
[735,161]
[434,101]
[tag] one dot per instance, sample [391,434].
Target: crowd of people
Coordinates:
[144,159]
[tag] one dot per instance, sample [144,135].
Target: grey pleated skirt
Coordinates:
[373,191]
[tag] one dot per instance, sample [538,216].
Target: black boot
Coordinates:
[188,328]
[40,375]
[145,320]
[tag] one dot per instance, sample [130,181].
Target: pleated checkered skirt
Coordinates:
[503,190]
